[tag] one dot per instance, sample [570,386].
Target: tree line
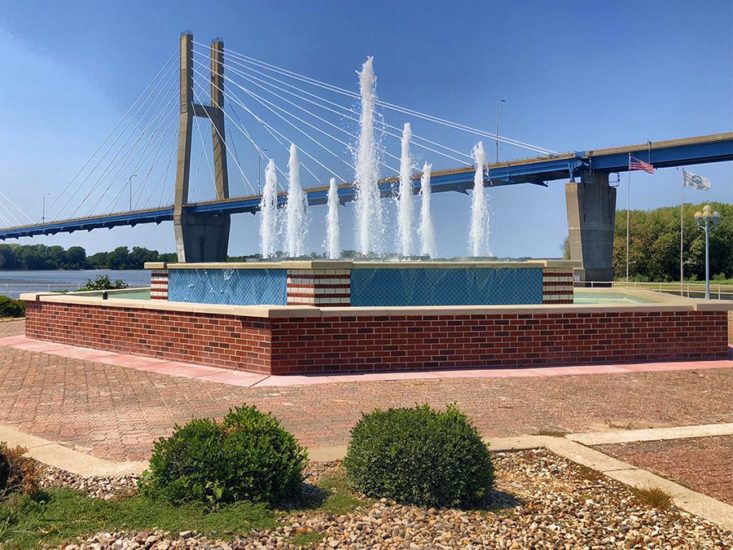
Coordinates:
[39,256]
[654,252]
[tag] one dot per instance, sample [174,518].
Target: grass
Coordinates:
[653,497]
[552,433]
[306,540]
[339,497]
[62,515]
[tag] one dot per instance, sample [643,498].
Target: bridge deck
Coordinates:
[538,171]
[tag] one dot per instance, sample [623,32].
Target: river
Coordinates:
[14,283]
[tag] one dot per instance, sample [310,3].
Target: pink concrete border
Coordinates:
[249,380]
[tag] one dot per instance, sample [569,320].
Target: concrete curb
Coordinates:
[76,462]
[568,447]
[652,434]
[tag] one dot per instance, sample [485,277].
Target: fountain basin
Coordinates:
[366,283]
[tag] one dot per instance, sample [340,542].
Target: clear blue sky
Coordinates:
[576,75]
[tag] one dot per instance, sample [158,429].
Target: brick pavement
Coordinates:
[12,328]
[704,464]
[117,413]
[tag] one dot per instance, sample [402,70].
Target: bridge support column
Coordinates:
[591,210]
[201,237]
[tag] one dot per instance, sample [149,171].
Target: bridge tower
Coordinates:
[591,211]
[201,237]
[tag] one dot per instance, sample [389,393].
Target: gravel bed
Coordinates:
[541,501]
[104,487]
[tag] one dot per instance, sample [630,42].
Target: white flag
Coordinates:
[693,181]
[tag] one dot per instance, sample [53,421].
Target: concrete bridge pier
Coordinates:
[201,237]
[591,211]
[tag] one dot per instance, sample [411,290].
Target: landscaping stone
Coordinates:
[540,501]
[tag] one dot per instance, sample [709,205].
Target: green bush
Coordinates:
[103,282]
[18,473]
[10,307]
[247,456]
[420,456]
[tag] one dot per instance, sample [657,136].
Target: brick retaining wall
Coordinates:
[336,342]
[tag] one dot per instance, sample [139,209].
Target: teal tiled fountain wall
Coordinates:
[228,286]
[444,287]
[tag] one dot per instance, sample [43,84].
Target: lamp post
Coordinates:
[500,100]
[129,183]
[43,213]
[707,220]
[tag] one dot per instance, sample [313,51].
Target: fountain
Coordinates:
[404,204]
[478,236]
[333,246]
[370,225]
[426,230]
[268,208]
[296,208]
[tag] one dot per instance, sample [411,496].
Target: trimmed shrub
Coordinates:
[10,307]
[18,473]
[420,456]
[247,456]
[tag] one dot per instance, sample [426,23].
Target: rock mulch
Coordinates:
[104,487]
[541,501]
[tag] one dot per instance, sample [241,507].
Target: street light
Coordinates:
[497,127]
[43,215]
[129,183]
[707,220]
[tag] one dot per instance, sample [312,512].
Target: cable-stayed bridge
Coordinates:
[254,110]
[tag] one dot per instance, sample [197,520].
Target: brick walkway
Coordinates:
[117,413]
[703,464]
[11,328]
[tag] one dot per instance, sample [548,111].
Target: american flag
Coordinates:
[636,164]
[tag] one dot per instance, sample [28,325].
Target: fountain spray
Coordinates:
[333,245]
[478,237]
[426,230]
[370,225]
[296,208]
[404,204]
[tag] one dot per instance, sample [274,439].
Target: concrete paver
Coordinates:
[117,413]
[704,464]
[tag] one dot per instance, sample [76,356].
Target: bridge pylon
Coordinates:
[201,237]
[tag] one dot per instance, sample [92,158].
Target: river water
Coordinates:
[14,283]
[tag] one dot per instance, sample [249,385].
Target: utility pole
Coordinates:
[43,214]
[129,184]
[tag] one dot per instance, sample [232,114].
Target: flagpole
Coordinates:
[682,235]
[628,220]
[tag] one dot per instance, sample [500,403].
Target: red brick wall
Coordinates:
[240,343]
[388,343]
[351,343]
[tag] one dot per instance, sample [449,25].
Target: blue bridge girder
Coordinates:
[538,171]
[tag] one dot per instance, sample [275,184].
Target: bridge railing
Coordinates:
[693,289]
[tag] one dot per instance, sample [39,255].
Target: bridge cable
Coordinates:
[352,114]
[391,106]
[20,211]
[129,137]
[196,98]
[141,155]
[353,136]
[155,80]
[161,145]
[265,103]
[273,132]
[249,137]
